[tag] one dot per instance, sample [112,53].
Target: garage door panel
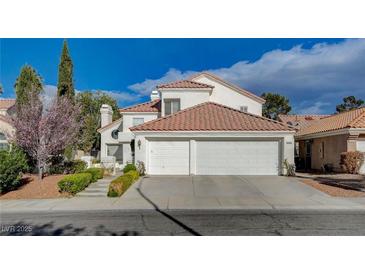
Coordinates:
[237,157]
[169,157]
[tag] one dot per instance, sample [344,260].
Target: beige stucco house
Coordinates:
[6,127]
[321,139]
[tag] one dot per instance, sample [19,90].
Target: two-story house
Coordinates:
[202,125]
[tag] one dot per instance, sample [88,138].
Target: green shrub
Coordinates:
[120,185]
[68,167]
[129,167]
[12,164]
[96,173]
[74,183]
[134,173]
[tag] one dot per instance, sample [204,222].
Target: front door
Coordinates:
[308,155]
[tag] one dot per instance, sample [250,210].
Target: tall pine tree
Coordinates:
[65,74]
[28,82]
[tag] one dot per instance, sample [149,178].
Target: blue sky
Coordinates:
[314,73]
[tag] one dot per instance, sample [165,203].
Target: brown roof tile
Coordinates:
[350,119]
[300,121]
[211,116]
[184,84]
[6,103]
[152,106]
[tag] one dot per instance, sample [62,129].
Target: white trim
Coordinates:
[209,134]
[351,131]
[138,112]
[185,89]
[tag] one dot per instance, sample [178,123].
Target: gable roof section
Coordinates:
[152,106]
[211,116]
[229,85]
[300,121]
[184,84]
[118,121]
[6,103]
[350,119]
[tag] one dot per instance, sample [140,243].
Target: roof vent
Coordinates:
[155,95]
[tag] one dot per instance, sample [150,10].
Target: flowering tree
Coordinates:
[44,133]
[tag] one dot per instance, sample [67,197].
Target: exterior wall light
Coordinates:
[139,144]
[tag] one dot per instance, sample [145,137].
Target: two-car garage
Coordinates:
[212,139]
[214,157]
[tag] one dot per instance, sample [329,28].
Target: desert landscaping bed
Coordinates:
[34,189]
[331,183]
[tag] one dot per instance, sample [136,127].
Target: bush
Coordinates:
[351,161]
[141,168]
[120,185]
[68,167]
[74,183]
[12,164]
[96,173]
[134,174]
[129,167]
[290,168]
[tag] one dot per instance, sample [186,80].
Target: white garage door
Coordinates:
[169,157]
[237,158]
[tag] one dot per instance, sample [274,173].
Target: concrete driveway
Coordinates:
[227,192]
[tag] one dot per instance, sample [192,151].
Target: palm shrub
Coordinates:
[74,183]
[12,165]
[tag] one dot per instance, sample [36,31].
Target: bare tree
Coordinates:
[44,133]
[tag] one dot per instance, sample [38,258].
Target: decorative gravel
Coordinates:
[34,189]
[332,190]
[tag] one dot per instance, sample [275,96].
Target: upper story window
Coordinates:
[171,106]
[137,121]
[243,108]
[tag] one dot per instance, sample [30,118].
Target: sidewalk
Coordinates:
[105,203]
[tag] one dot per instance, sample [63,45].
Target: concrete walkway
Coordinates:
[265,193]
[99,188]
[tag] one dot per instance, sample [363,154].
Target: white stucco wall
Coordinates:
[7,129]
[286,140]
[128,119]
[188,98]
[226,96]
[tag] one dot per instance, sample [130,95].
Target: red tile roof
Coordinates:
[6,103]
[184,84]
[229,85]
[211,116]
[300,121]
[152,106]
[350,119]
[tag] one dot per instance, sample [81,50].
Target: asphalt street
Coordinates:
[184,222]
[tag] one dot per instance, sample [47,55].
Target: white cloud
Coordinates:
[309,77]
[144,88]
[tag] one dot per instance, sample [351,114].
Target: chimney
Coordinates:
[106,115]
[155,95]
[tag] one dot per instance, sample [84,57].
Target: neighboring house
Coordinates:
[300,121]
[323,141]
[6,127]
[203,125]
